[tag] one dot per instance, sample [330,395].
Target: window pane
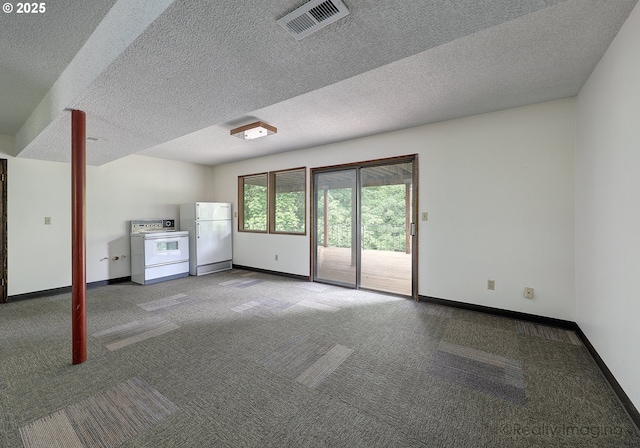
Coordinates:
[289,201]
[254,203]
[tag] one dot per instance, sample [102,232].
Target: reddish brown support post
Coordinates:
[78,240]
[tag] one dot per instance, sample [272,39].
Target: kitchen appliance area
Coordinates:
[159,252]
[209,225]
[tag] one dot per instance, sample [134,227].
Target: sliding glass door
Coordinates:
[336,227]
[386,227]
[364,231]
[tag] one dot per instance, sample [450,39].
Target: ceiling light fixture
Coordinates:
[253,131]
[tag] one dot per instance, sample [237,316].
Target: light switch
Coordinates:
[424,216]
[47,220]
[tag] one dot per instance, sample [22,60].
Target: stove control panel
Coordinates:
[152,225]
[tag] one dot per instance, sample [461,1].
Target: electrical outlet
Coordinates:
[491,284]
[276,257]
[528,293]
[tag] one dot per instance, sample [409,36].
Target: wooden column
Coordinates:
[78,239]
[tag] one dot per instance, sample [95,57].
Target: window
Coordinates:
[166,246]
[288,199]
[273,202]
[252,204]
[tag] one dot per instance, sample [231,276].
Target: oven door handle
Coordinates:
[166,263]
[162,237]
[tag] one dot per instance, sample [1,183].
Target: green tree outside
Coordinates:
[255,207]
[383,217]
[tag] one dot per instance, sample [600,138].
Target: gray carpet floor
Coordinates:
[244,359]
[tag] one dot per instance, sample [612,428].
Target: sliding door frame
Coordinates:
[412,158]
[3,232]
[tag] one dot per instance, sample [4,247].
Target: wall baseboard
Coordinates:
[113,281]
[550,321]
[65,289]
[266,271]
[619,392]
[626,403]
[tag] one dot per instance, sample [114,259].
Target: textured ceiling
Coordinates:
[35,49]
[202,67]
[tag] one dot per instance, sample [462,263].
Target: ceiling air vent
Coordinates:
[312,16]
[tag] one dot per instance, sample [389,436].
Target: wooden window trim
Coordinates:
[241,203]
[272,200]
[271,208]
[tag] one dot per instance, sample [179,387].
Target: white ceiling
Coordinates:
[35,49]
[170,80]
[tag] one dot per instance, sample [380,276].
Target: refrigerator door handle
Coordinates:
[198,229]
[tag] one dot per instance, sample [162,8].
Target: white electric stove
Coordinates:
[158,251]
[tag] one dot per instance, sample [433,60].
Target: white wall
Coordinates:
[134,187]
[39,256]
[499,192]
[607,210]
[7,143]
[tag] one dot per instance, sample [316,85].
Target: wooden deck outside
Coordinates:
[381,270]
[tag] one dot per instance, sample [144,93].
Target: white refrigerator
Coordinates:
[209,225]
